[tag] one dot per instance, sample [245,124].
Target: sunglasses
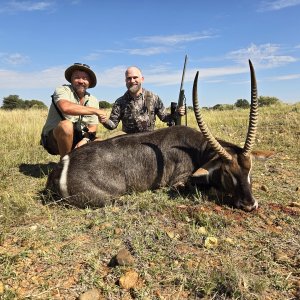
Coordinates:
[83,65]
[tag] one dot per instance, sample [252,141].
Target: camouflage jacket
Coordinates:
[137,115]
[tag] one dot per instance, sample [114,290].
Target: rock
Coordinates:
[129,280]
[33,227]
[124,258]
[202,230]
[172,235]
[281,257]
[118,231]
[1,288]
[92,294]
[211,242]
[295,204]
[264,188]
[229,240]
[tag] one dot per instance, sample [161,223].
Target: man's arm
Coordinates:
[163,115]
[73,109]
[114,118]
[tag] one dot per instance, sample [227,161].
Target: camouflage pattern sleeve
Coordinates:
[115,116]
[161,111]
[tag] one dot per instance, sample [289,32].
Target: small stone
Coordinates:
[172,235]
[124,258]
[118,231]
[211,242]
[92,294]
[129,280]
[295,204]
[264,188]
[202,230]
[281,257]
[229,241]
[33,227]
[1,288]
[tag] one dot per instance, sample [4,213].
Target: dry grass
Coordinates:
[56,252]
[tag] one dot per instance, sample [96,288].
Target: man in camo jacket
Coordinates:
[138,107]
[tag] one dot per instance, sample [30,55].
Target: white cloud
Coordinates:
[14,59]
[167,77]
[16,6]
[148,51]
[113,77]
[266,55]
[262,56]
[286,77]
[48,78]
[134,51]
[92,56]
[173,39]
[166,43]
[277,4]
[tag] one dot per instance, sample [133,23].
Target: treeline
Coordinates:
[243,103]
[14,102]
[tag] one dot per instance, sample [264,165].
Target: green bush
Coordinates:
[14,102]
[104,104]
[242,103]
[267,101]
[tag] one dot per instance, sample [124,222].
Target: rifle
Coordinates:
[182,99]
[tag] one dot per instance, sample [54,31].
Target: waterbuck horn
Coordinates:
[252,128]
[203,128]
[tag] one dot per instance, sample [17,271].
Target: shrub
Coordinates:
[267,101]
[242,103]
[104,104]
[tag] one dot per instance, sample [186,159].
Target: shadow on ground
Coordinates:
[197,193]
[37,170]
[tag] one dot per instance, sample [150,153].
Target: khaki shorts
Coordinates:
[49,142]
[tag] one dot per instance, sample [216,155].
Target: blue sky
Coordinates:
[39,39]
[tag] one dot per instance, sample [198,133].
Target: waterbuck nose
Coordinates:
[249,207]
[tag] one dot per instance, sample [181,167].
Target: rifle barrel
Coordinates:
[183,73]
[181,99]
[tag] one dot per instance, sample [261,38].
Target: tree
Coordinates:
[242,103]
[104,104]
[267,101]
[12,102]
[223,107]
[35,104]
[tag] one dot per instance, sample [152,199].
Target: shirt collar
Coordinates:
[139,97]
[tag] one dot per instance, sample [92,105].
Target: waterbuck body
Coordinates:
[98,172]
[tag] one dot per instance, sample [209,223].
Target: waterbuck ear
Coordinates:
[200,172]
[262,154]
[213,164]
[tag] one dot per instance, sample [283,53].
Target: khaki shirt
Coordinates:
[67,92]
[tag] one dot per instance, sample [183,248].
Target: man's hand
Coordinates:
[82,142]
[181,110]
[102,118]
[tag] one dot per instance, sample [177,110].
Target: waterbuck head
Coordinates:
[229,167]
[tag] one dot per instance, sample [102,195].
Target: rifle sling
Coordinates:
[58,111]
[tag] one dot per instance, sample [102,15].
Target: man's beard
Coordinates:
[134,88]
[80,90]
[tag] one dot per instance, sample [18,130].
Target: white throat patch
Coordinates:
[63,177]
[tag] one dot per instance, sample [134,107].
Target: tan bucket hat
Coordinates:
[82,67]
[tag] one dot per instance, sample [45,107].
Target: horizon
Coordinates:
[40,39]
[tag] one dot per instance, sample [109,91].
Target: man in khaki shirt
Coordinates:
[74,114]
